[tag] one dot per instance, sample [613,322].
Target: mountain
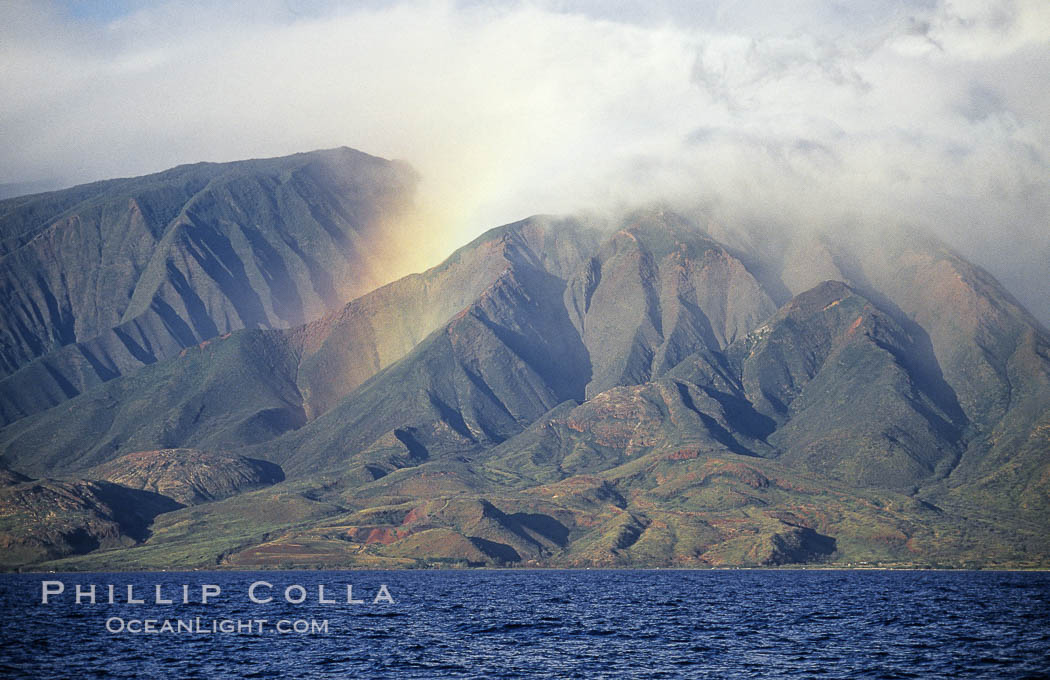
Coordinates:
[654,391]
[979,352]
[249,386]
[819,386]
[103,278]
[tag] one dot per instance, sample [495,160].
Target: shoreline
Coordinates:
[538,569]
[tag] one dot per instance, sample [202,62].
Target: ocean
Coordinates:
[527,624]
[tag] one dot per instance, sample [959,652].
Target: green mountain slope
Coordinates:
[558,395]
[819,386]
[250,386]
[224,394]
[101,279]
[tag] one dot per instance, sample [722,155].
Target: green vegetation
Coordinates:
[551,397]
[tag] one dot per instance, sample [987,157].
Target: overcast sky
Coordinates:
[932,113]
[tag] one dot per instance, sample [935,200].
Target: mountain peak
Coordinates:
[819,298]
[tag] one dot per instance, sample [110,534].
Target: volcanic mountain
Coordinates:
[101,279]
[653,391]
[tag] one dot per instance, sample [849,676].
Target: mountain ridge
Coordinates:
[104,278]
[560,394]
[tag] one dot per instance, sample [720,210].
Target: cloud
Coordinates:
[922,112]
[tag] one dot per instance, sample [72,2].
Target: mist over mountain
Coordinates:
[822,116]
[16,189]
[656,388]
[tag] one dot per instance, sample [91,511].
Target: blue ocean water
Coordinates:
[536,624]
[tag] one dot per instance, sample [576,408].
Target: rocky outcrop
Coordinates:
[188,476]
[48,519]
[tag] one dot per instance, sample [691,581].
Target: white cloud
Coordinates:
[934,113]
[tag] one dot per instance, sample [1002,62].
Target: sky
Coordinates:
[814,113]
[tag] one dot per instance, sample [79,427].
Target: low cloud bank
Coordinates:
[935,114]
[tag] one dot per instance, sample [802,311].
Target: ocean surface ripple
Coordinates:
[545,624]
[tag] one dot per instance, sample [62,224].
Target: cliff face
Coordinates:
[557,395]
